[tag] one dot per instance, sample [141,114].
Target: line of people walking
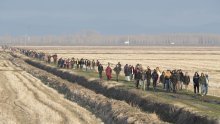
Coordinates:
[171,80]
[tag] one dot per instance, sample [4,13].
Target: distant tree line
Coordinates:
[93,39]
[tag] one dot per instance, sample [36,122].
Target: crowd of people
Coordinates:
[171,80]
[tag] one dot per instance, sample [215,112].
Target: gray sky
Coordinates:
[43,17]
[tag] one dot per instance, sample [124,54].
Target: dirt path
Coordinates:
[24,99]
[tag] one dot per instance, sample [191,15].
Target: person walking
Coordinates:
[203,83]
[132,72]
[167,80]
[155,78]
[117,70]
[162,79]
[196,83]
[148,77]
[207,83]
[181,79]
[174,80]
[137,76]
[186,80]
[108,72]
[93,64]
[127,72]
[144,79]
[158,73]
[55,58]
[77,63]
[100,70]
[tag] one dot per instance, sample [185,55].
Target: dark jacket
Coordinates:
[148,74]
[181,76]
[196,80]
[162,78]
[175,78]
[186,80]
[117,69]
[127,71]
[155,76]
[202,80]
[137,75]
[100,68]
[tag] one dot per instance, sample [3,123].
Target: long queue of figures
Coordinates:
[172,80]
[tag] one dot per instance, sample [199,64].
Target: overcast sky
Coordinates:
[43,17]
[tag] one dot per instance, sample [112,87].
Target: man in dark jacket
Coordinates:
[162,79]
[181,79]
[174,79]
[100,70]
[59,62]
[148,77]
[155,78]
[117,70]
[137,76]
[127,72]
[196,83]
[186,80]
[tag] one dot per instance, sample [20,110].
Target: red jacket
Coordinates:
[108,71]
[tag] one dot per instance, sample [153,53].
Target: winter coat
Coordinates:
[100,68]
[162,78]
[174,78]
[117,70]
[155,75]
[108,71]
[186,80]
[148,74]
[137,75]
[181,76]
[196,80]
[127,71]
[202,80]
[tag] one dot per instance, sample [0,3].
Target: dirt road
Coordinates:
[24,99]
